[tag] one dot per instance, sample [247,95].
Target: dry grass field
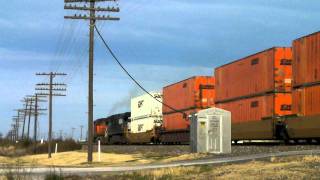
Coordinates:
[300,167]
[79,158]
[295,167]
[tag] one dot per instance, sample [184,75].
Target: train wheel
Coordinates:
[285,137]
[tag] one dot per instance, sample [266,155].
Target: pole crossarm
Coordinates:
[84,17]
[54,89]
[88,1]
[49,74]
[47,94]
[84,8]
[53,84]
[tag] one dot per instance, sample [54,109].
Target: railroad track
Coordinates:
[114,169]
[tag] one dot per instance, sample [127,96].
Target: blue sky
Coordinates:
[160,42]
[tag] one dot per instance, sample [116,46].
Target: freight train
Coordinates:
[272,95]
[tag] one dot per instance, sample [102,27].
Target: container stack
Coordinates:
[146,118]
[186,97]
[256,87]
[306,75]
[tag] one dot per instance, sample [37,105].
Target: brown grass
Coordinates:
[299,167]
[79,158]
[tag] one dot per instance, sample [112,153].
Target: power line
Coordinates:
[131,77]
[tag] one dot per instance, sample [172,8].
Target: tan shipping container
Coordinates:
[306,101]
[306,60]
[266,71]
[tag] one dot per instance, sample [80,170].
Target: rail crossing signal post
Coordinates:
[81,5]
[50,89]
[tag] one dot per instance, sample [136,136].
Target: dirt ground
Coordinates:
[298,167]
[116,155]
[79,158]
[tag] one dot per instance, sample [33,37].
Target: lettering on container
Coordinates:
[286,62]
[285,107]
[140,127]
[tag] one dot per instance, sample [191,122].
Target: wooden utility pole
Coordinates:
[81,132]
[18,121]
[15,125]
[92,9]
[36,112]
[51,89]
[26,101]
[60,134]
[29,116]
[72,132]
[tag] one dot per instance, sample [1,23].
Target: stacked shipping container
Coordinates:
[306,75]
[185,97]
[257,86]
[146,118]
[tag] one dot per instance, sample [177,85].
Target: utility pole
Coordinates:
[51,89]
[26,101]
[15,126]
[92,9]
[18,121]
[81,132]
[36,113]
[29,116]
[72,132]
[61,131]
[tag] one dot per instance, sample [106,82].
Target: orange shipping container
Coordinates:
[257,108]
[306,101]
[306,59]
[195,92]
[176,121]
[188,95]
[267,71]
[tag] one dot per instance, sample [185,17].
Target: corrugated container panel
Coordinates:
[306,59]
[176,121]
[267,71]
[257,108]
[195,92]
[306,101]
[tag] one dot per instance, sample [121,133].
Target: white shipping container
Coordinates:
[146,112]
